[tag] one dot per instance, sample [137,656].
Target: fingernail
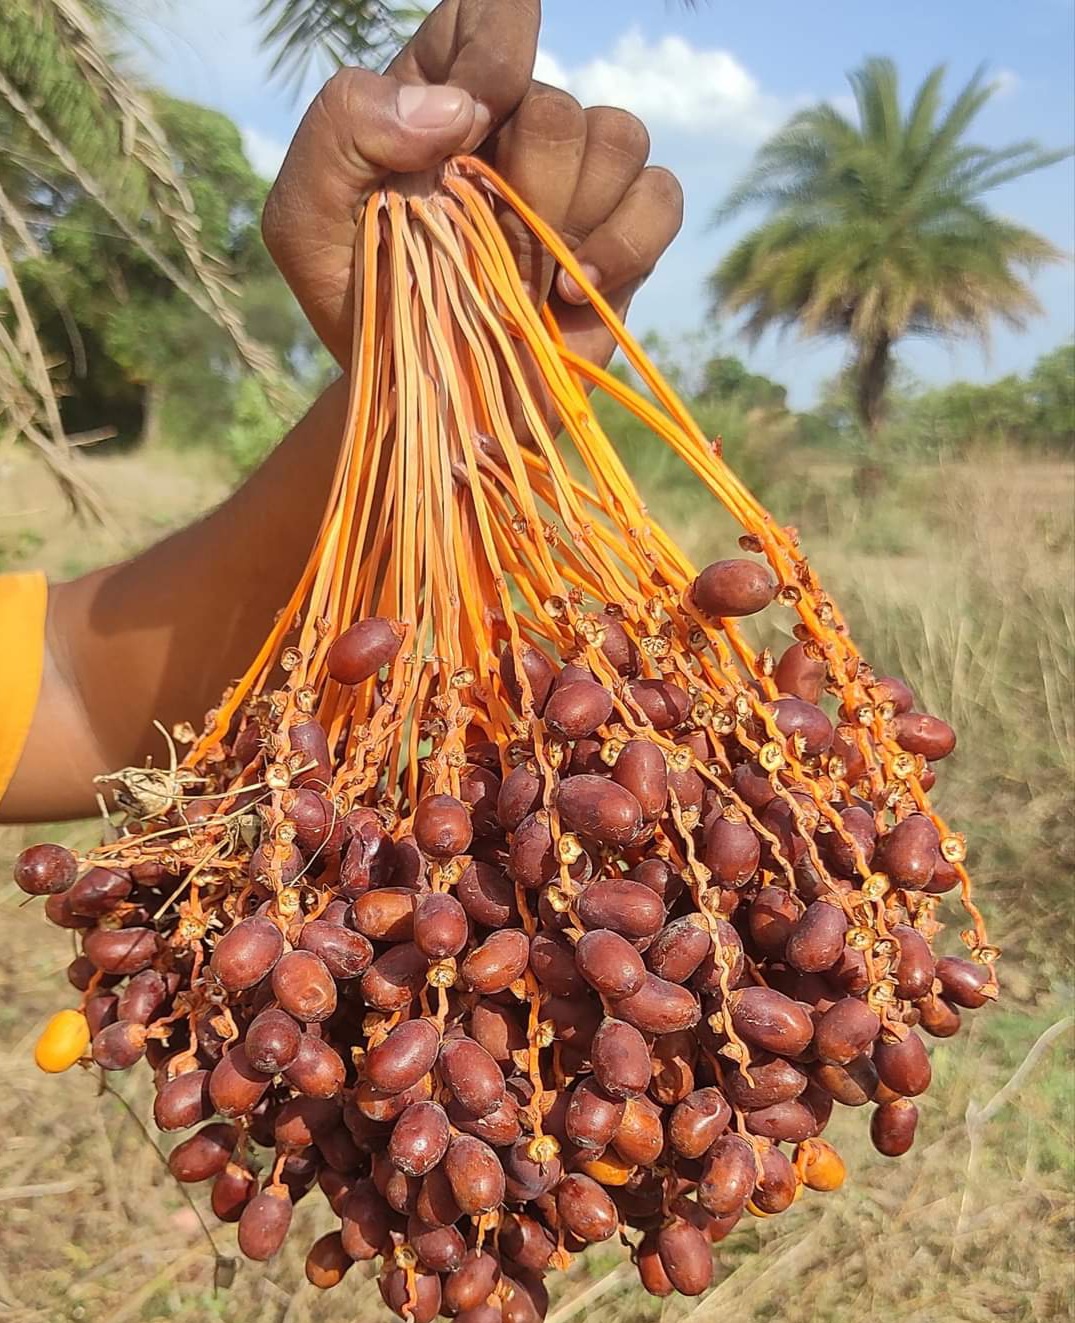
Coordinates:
[571,290]
[483,116]
[430,107]
[483,122]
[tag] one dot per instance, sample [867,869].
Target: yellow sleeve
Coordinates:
[22,653]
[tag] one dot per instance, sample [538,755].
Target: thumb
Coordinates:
[361,127]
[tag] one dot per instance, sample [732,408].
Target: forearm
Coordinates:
[160,636]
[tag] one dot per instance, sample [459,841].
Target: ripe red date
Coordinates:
[585,1208]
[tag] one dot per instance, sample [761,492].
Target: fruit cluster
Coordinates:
[511,897]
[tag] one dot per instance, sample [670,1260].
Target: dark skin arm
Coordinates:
[159,637]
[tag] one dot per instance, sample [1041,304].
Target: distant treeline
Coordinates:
[1035,412]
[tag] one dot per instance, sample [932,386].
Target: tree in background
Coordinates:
[151,364]
[726,378]
[876,228]
[1051,389]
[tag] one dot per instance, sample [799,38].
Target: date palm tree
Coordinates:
[876,228]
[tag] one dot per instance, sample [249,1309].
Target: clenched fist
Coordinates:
[464,84]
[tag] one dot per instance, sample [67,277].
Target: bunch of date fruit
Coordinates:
[613,985]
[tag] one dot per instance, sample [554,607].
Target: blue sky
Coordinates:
[711,83]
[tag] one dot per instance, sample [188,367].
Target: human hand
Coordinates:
[463,84]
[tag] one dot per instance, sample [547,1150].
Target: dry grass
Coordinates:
[146,500]
[960,579]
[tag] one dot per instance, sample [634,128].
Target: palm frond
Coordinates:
[29,405]
[876,91]
[922,117]
[962,112]
[335,32]
[795,158]
[992,169]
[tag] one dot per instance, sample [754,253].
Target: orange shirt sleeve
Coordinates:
[22,653]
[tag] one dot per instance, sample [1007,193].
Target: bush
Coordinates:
[255,428]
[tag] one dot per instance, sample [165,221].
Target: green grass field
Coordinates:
[959,578]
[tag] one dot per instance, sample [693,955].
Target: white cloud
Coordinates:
[548,69]
[265,153]
[1007,82]
[672,84]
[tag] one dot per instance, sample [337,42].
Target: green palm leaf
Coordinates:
[876,229]
[362,32]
